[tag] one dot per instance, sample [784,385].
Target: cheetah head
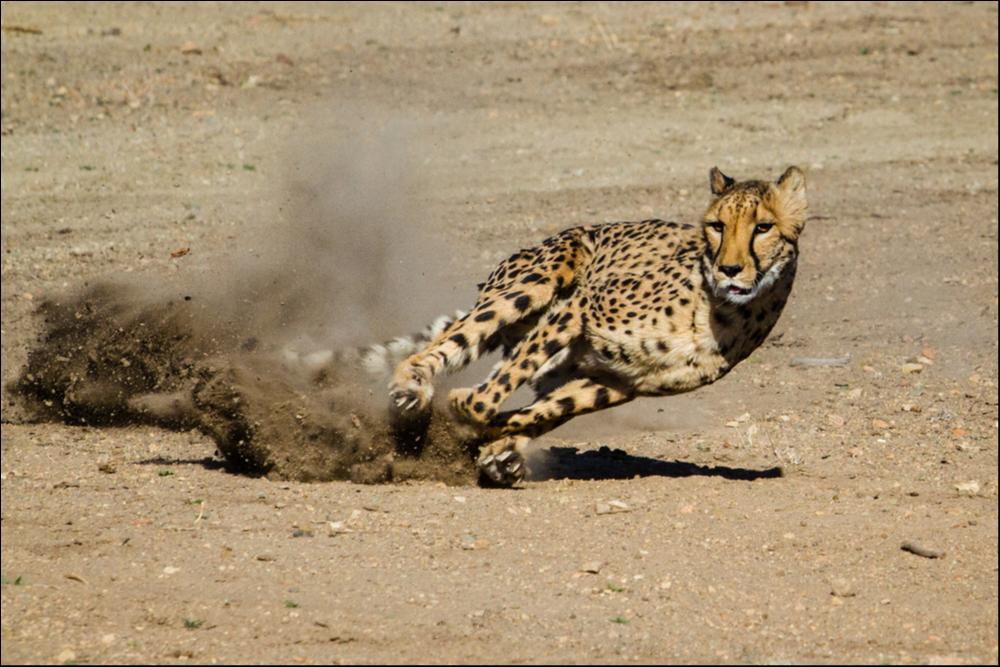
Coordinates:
[751,233]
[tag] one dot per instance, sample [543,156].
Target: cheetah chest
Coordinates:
[679,340]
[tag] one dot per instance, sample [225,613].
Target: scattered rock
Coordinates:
[970,488]
[880,424]
[611,507]
[820,361]
[842,588]
[170,569]
[338,528]
[918,550]
[190,49]
[742,419]
[472,543]
[912,367]
[108,468]
[591,567]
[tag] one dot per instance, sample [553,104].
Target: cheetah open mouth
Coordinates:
[738,291]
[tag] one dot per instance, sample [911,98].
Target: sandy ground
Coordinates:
[131,131]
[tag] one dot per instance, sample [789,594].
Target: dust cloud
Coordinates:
[254,350]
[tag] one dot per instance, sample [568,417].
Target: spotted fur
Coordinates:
[598,315]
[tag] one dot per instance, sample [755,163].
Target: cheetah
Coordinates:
[598,315]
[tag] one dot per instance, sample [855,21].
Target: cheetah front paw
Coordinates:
[410,394]
[501,463]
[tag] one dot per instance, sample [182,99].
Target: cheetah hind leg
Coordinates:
[502,461]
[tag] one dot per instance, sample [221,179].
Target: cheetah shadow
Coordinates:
[207,462]
[606,463]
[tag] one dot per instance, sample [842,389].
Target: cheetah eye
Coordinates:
[763,227]
[716,226]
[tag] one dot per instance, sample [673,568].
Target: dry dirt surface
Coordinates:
[839,510]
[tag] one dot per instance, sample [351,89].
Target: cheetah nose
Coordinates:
[730,269]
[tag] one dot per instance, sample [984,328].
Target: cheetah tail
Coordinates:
[380,360]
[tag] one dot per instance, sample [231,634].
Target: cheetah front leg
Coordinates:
[522,286]
[460,344]
[502,461]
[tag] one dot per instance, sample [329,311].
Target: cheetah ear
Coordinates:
[719,181]
[792,182]
[790,203]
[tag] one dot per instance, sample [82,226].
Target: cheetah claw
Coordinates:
[404,401]
[503,468]
[411,398]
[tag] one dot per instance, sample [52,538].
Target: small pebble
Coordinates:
[918,550]
[842,588]
[611,507]
[338,528]
[820,361]
[970,488]
[472,543]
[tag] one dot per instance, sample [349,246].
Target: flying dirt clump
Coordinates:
[107,358]
[251,359]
